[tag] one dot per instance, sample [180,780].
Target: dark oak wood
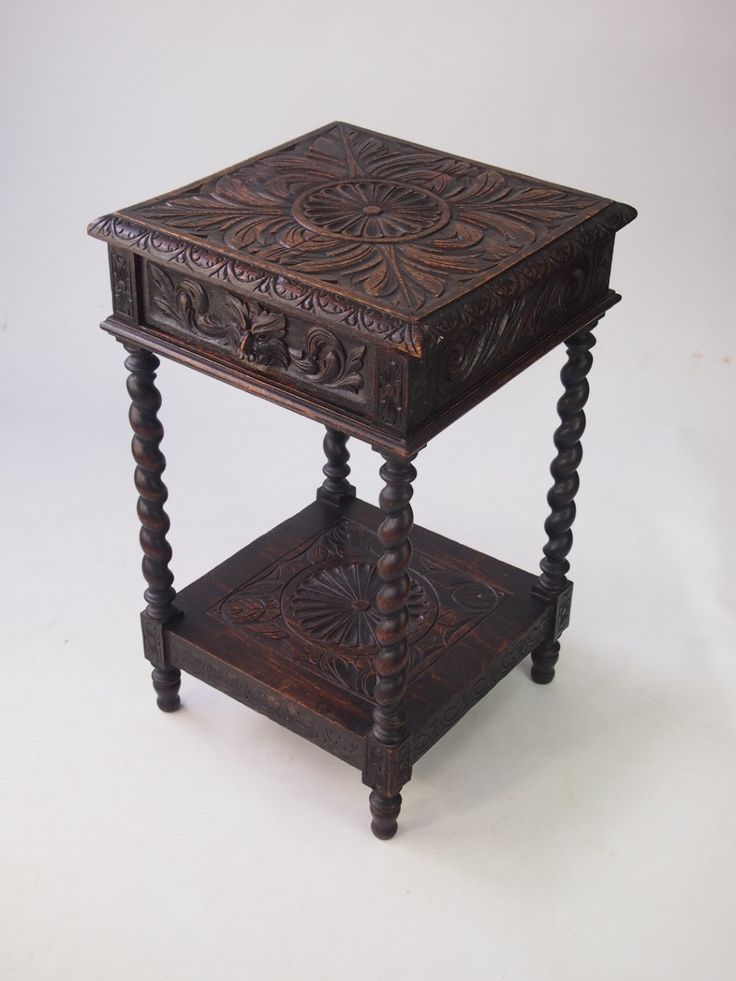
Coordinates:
[553,581]
[336,488]
[277,626]
[166,683]
[383,289]
[392,601]
[152,494]
[392,658]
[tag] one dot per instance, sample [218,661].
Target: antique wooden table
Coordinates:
[383,289]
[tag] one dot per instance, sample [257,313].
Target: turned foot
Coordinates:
[544,659]
[385,812]
[166,683]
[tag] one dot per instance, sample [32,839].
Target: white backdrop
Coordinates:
[579,831]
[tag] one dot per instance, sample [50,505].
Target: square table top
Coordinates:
[392,237]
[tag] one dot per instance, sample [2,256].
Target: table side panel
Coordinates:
[494,332]
[439,698]
[284,704]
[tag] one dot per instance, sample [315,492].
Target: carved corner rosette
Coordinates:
[390,392]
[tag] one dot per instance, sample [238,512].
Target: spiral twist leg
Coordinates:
[561,497]
[150,463]
[389,729]
[336,488]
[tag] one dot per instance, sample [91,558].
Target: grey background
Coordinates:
[576,832]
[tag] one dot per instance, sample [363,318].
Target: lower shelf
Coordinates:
[286,627]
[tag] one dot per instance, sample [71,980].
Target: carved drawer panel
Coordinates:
[258,338]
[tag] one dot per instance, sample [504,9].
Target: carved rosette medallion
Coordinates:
[319,603]
[371,210]
[337,604]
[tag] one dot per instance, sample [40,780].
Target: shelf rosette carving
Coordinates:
[319,602]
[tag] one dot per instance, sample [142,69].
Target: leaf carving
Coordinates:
[186,303]
[326,362]
[163,293]
[406,224]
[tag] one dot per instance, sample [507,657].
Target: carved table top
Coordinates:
[407,253]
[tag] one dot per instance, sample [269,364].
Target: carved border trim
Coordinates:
[464,700]
[348,746]
[401,334]
[320,302]
[487,300]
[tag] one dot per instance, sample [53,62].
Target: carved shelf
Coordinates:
[286,626]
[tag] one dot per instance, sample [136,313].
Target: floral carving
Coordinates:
[337,604]
[122,284]
[372,211]
[390,382]
[326,362]
[257,608]
[399,224]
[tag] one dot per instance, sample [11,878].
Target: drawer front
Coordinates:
[260,340]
